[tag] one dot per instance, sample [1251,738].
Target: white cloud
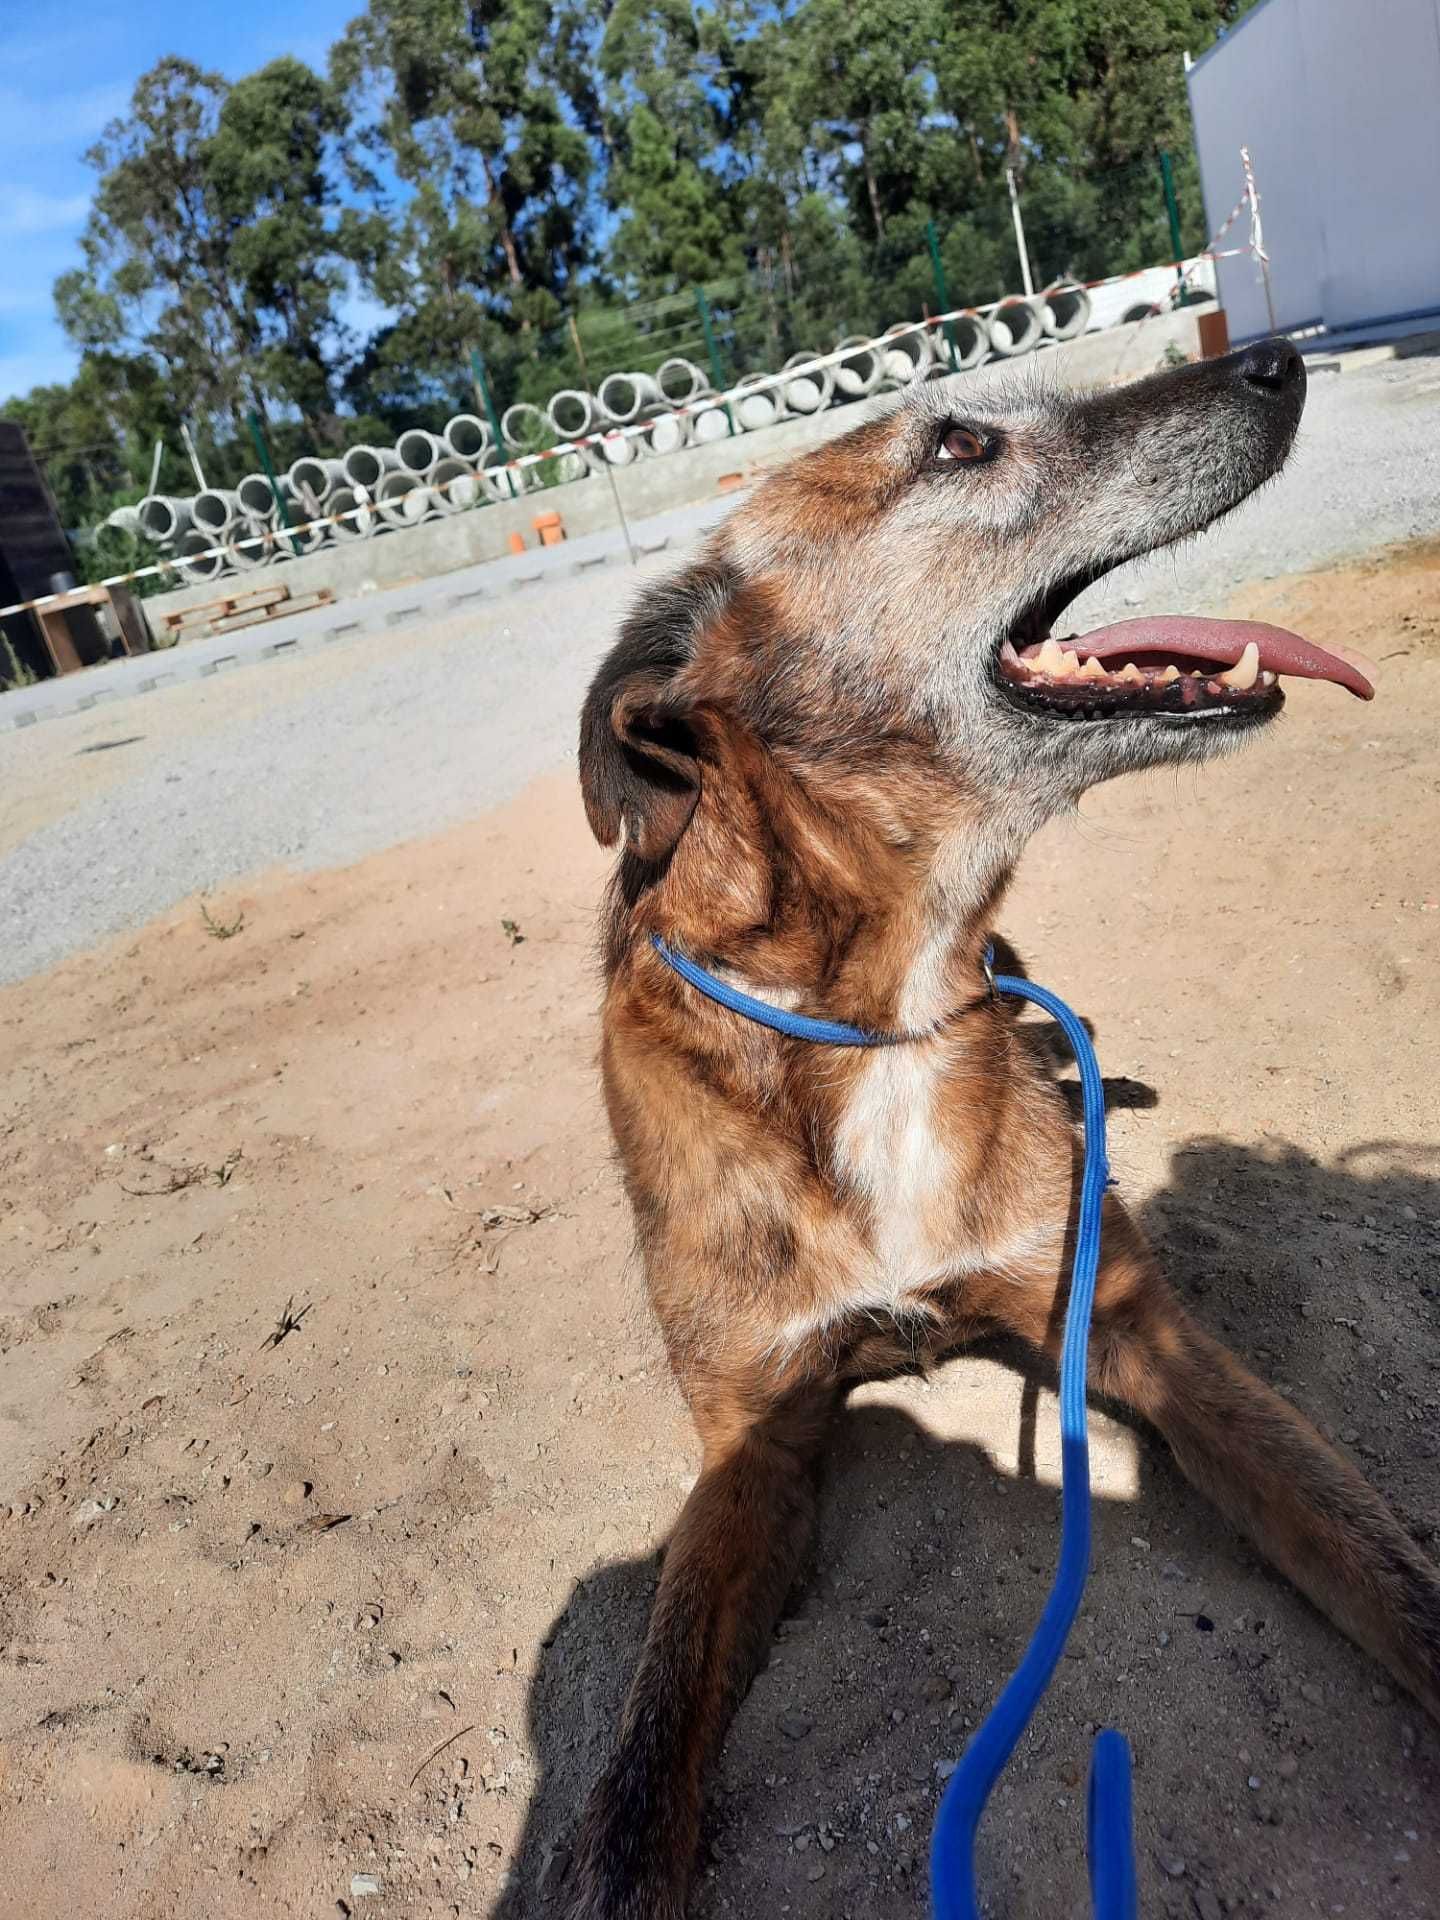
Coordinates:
[31,210]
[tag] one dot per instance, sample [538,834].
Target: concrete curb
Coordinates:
[304,633]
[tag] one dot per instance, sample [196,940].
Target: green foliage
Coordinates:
[478,173]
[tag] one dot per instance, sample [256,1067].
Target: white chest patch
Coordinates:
[889,1149]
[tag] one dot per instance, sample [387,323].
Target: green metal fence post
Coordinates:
[1177,245]
[252,420]
[717,371]
[487,399]
[942,292]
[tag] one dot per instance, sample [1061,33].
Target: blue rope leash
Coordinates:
[1110,1846]
[1110,1843]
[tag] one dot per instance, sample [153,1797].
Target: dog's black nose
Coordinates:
[1273,365]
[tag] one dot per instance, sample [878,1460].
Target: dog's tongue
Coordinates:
[1224,641]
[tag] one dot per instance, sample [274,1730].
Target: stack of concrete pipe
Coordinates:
[631,416]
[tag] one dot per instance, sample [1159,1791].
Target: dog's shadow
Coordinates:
[930,1569]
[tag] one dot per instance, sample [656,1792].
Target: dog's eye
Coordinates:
[961,443]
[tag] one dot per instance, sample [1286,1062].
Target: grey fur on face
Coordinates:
[910,611]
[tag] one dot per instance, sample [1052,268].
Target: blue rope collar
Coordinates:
[952,1849]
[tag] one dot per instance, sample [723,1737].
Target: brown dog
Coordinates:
[826,744]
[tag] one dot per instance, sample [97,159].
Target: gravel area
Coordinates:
[114,815]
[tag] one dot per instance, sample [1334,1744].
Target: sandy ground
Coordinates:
[336,1447]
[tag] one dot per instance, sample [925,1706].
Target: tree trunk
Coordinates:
[507,237]
[872,190]
[1012,129]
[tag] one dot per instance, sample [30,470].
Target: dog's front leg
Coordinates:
[728,1565]
[1262,1463]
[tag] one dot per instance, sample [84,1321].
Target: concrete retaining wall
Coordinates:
[650,486]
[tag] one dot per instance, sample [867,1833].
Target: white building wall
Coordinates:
[1339,104]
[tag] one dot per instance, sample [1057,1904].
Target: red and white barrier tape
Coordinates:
[757,383]
[706,403]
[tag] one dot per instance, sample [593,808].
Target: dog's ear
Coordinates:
[640,749]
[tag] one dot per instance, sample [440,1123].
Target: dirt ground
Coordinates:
[338,1449]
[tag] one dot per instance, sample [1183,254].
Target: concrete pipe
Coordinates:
[860,372]
[680,381]
[1142,310]
[417,451]
[568,464]
[1014,328]
[305,506]
[468,436]
[367,466]
[123,520]
[164,517]
[525,428]
[354,501]
[904,355]
[807,392]
[962,343]
[760,407]
[669,432]
[194,569]
[256,497]
[455,484]
[404,499]
[621,449]
[1064,311]
[289,543]
[505,483]
[249,544]
[571,413]
[315,475]
[711,423]
[213,510]
[625,396]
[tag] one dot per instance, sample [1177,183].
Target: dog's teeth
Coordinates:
[1052,657]
[1246,670]
[1092,670]
[1267,679]
[1172,672]
[1131,672]
[1066,666]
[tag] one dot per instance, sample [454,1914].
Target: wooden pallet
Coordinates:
[222,607]
[301,603]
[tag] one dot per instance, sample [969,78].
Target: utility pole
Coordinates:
[195,468]
[1025,273]
[1257,235]
[609,467]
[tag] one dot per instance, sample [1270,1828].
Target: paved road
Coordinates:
[433,702]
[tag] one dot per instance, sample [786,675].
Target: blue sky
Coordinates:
[66,72]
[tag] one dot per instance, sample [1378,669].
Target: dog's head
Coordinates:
[906,581]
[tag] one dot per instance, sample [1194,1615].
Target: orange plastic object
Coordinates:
[550,528]
[517,542]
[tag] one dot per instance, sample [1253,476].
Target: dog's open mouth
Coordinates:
[1173,667]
